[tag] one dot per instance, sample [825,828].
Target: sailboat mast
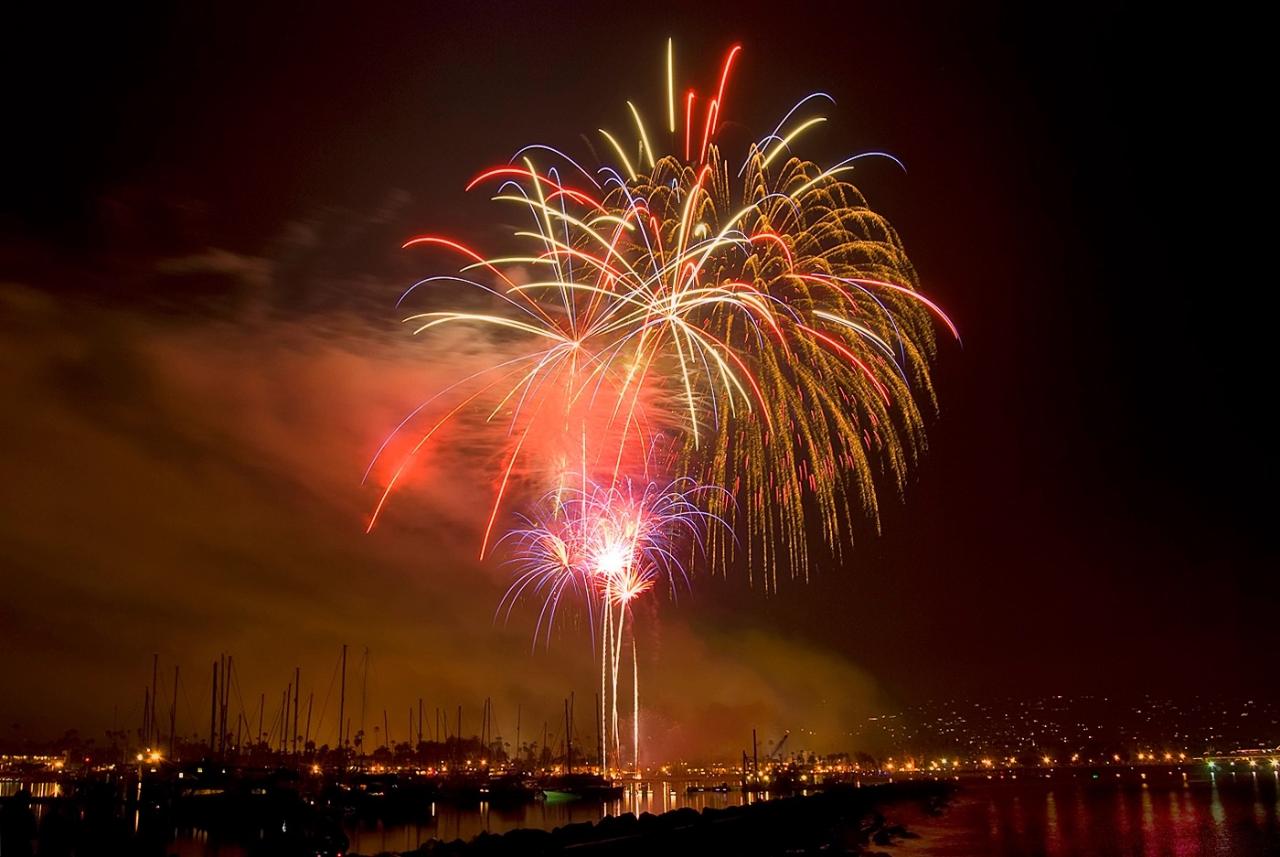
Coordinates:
[568,740]
[311,697]
[213,708]
[297,694]
[153,731]
[173,716]
[342,701]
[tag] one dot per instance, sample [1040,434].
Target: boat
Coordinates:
[510,788]
[568,787]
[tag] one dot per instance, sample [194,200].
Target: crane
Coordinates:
[777,748]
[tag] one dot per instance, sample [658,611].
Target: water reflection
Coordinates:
[38,790]
[449,822]
[446,821]
[1067,814]
[1072,815]
[9,788]
[1215,804]
[1052,837]
[1147,820]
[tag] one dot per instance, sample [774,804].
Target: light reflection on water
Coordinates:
[1223,815]
[1237,815]
[9,788]
[38,790]
[449,822]
[454,822]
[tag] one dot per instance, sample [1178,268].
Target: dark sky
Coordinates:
[200,258]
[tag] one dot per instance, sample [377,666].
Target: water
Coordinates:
[1223,816]
[448,822]
[1067,814]
[9,788]
[452,822]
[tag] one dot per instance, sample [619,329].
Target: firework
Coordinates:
[752,317]
[603,548]
[756,313]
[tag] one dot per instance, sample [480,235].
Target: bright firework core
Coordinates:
[613,559]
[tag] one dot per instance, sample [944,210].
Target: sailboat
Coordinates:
[583,785]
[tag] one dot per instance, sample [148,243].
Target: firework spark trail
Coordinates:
[614,542]
[608,546]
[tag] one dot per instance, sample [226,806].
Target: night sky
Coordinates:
[198,269]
